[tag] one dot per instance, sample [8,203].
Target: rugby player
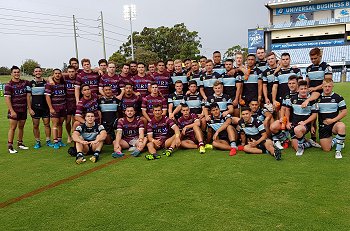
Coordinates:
[191,134]
[130,99]
[87,103]
[149,101]
[188,65]
[142,81]
[111,79]
[332,109]
[133,68]
[130,134]
[37,107]
[255,141]
[208,79]
[163,79]
[218,66]
[269,77]
[175,100]
[170,66]
[261,61]
[87,76]
[89,138]
[16,102]
[56,101]
[125,75]
[71,104]
[179,74]
[261,114]
[158,133]
[102,66]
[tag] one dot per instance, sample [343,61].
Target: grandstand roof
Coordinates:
[287,3]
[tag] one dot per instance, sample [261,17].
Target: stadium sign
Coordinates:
[313,7]
[255,39]
[317,43]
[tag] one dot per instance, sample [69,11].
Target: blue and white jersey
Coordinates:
[329,106]
[262,65]
[208,81]
[268,77]
[222,100]
[182,77]
[108,108]
[196,77]
[297,112]
[89,133]
[252,129]
[260,114]
[316,73]
[176,99]
[250,85]
[219,68]
[216,123]
[194,102]
[37,90]
[281,78]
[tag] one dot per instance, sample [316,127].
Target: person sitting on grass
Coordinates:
[130,134]
[191,134]
[158,130]
[224,137]
[255,139]
[332,108]
[89,138]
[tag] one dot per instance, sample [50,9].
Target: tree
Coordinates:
[29,65]
[5,71]
[47,72]
[118,58]
[145,56]
[168,43]
[231,52]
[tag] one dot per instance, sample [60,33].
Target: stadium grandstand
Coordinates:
[296,26]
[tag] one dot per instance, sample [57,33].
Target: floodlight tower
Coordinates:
[129,15]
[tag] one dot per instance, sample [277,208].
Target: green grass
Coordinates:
[187,191]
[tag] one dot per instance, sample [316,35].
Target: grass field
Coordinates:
[187,191]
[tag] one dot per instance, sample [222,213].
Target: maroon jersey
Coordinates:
[57,93]
[133,101]
[182,122]
[18,93]
[141,84]
[91,79]
[160,129]
[88,105]
[126,79]
[70,91]
[149,101]
[163,81]
[114,81]
[130,130]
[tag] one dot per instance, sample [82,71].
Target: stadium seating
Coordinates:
[305,23]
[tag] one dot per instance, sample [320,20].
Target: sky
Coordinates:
[42,30]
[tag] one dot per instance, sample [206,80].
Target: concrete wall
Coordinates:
[305,32]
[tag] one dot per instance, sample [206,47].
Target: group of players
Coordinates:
[255,107]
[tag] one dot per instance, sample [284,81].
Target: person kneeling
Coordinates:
[256,136]
[130,134]
[89,138]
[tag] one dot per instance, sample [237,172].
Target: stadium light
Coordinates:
[129,15]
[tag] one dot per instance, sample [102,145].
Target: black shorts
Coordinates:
[41,113]
[110,128]
[261,146]
[20,116]
[325,131]
[292,134]
[223,136]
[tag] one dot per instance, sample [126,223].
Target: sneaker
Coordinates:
[277,154]
[94,158]
[12,151]
[156,156]
[48,143]
[80,160]
[22,146]
[240,147]
[201,149]
[208,146]
[278,145]
[233,152]
[117,154]
[62,144]
[37,145]
[136,153]
[149,157]
[285,144]
[300,150]
[167,152]
[314,143]
[131,149]
[338,155]
[56,145]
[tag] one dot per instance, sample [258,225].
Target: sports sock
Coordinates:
[171,149]
[340,141]
[306,144]
[276,136]
[201,143]
[233,144]
[301,141]
[9,144]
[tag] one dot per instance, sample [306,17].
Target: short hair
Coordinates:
[111,62]
[293,77]
[126,64]
[217,83]
[302,83]
[37,67]
[254,99]
[56,69]
[154,83]
[202,57]
[141,63]
[260,48]
[160,61]
[70,67]
[285,54]
[213,105]
[216,52]
[132,62]
[102,61]
[315,51]
[251,55]
[178,81]
[191,82]
[14,68]
[184,105]
[73,59]
[185,60]
[239,53]
[108,85]
[209,61]
[328,81]
[177,61]
[85,61]
[89,112]
[128,83]
[156,106]
[169,60]
[270,54]
[129,106]
[246,109]
[229,60]
[84,85]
